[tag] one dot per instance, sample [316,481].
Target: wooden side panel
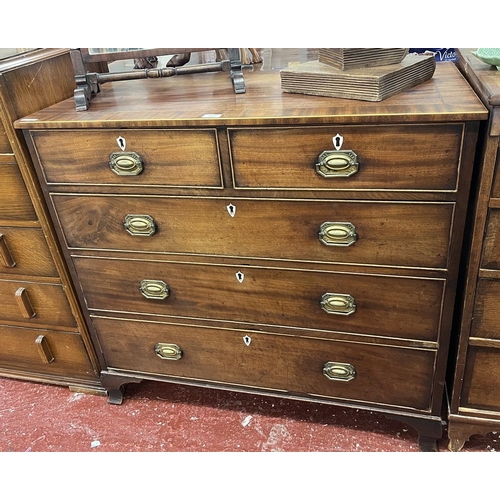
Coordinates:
[4,141]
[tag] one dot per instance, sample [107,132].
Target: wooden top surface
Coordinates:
[483,77]
[209,100]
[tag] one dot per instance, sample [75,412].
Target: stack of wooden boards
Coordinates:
[364,74]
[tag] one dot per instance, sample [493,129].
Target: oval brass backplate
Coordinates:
[126,163]
[337,164]
[139,225]
[154,289]
[343,372]
[338,303]
[340,234]
[168,351]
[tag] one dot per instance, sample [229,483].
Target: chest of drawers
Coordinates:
[266,242]
[475,402]
[43,336]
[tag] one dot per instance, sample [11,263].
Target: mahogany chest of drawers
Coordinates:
[266,242]
[43,336]
[475,401]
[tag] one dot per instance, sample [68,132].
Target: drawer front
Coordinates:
[152,157]
[486,316]
[4,140]
[491,246]
[404,157]
[327,301]
[15,202]
[24,251]
[35,303]
[495,189]
[481,386]
[381,374]
[379,233]
[44,351]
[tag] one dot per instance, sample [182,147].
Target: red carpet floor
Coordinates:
[167,417]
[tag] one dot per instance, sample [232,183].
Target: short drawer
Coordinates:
[44,352]
[379,233]
[481,386]
[341,370]
[149,157]
[15,202]
[24,251]
[308,300]
[35,303]
[486,316]
[403,157]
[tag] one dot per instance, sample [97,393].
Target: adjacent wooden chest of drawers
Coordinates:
[267,242]
[475,402]
[43,336]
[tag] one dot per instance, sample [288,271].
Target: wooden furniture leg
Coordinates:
[114,386]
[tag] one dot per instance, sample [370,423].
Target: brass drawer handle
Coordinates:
[154,289]
[44,349]
[343,372]
[338,303]
[126,163]
[8,260]
[168,351]
[341,234]
[139,225]
[24,303]
[337,163]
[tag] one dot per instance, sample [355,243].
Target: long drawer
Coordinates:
[24,251]
[373,305]
[44,351]
[486,315]
[166,157]
[35,303]
[341,370]
[481,383]
[408,157]
[378,233]
[15,203]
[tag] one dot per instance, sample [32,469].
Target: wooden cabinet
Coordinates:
[43,336]
[273,243]
[475,402]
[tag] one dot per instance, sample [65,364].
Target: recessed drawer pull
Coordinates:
[7,258]
[342,372]
[154,289]
[126,163]
[139,225]
[44,349]
[24,303]
[338,303]
[341,234]
[337,164]
[168,351]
